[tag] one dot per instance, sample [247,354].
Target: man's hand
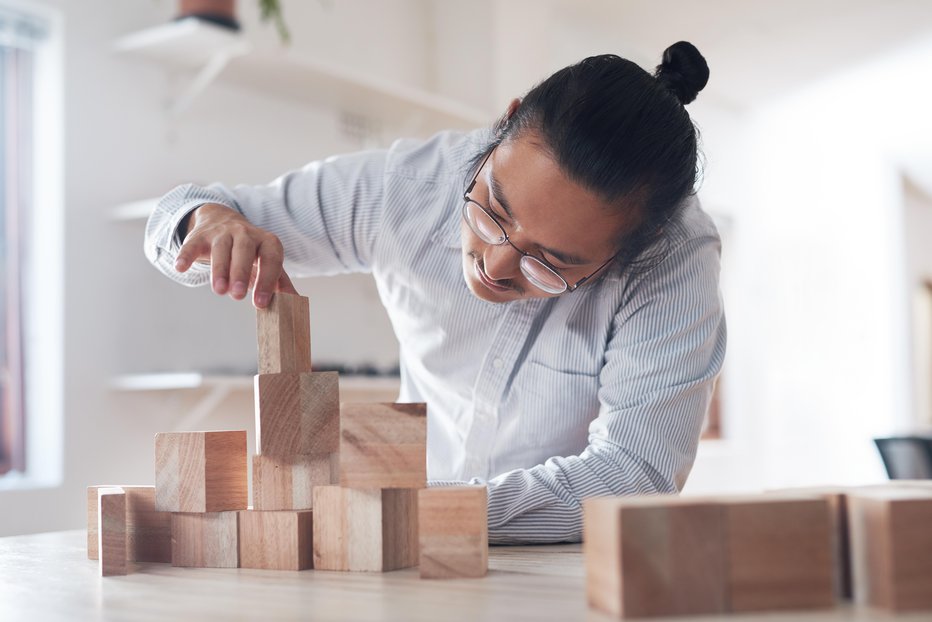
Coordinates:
[240,254]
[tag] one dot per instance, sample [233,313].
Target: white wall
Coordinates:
[819,357]
[120,314]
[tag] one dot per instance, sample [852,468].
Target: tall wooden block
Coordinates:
[207,540]
[891,547]
[288,483]
[148,531]
[284,334]
[365,530]
[654,556]
[453,532]
[297,414]
[111,531]
[200,471]
[383,445]
[276,540]
[780,553]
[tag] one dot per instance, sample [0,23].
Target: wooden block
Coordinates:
[653,556]
[365,530]
[284,334]
[278,540]
[837,499]
[780,553]
[383,445]
[207,540]
[148,532]
[297,414]
[891,547]
[288,484]
[453,532]
[200,471]
[111,531]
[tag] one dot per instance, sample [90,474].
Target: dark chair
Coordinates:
[906,457]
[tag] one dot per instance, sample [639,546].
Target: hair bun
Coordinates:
[683,71]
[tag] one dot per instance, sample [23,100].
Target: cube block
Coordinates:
[279,540]
[780,553]
[654,556]
[297,414]
[288,484]
[200,471]
[205,540]
[383,445]
[365,530]
[453,532]
[891,547]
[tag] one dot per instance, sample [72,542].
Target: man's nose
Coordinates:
[502,262]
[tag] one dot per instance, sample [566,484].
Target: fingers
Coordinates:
[241,260]
[285,284]
[191,251]
[220,259]
[241,256]
[270,257]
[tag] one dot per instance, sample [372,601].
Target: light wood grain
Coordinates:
[201,471]
[148,531]
[891,546]
[453,532]
[278,540]
[47,577]
[205,540]
[283,331]
[383,445]
[365,530]
[288,484]
[780,553]
[297,414]
[111,531]
[659,556]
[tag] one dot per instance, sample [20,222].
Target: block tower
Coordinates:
[335,486]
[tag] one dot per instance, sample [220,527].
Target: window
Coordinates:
[20,36]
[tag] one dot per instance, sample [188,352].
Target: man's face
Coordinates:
[544,213]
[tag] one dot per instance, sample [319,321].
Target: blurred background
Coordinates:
[818,148]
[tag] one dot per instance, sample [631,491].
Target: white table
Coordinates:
[47,577]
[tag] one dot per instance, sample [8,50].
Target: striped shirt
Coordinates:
[601,391]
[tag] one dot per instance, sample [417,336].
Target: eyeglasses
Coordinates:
[538,271]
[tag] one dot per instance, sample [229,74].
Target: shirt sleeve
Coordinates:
[326,215]
[655,387]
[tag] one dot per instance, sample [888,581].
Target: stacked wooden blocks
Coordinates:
[335,486]
[200,477]
[297,440]
[369,521]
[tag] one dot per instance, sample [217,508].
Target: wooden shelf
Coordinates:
[193,45]
[135,210]
[172,381]
[219,387]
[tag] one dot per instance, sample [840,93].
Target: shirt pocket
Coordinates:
[557,406]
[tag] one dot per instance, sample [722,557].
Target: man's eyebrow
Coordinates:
[562,257]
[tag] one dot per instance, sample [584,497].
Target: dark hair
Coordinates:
[622,134]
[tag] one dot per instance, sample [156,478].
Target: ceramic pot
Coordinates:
[220,12]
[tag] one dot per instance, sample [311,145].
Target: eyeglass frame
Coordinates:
[506,238]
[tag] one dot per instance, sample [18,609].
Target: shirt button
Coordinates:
[498,363]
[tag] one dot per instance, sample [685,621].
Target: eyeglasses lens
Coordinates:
[541,276]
